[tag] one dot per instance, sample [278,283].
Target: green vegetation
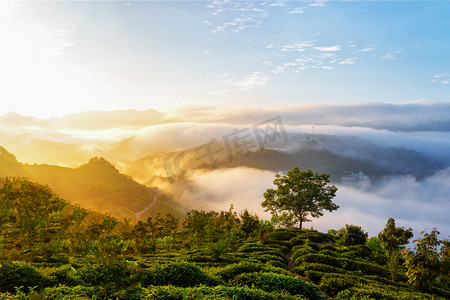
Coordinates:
[299,194]
[50,249]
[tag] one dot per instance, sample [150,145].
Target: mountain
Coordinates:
[9,165]
[338,156]
[96,185]
[97,120]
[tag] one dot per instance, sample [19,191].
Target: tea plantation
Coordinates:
[66,254]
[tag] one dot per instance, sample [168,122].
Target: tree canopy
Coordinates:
[300,194]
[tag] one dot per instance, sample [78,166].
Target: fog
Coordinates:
[410,137]
[422,205]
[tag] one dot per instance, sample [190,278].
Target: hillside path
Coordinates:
[138,214]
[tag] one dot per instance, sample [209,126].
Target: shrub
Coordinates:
[316,237]
[283,248]
[217,292]
[269,257]
[251,247]
[328,252]
[314,276]
[282,235]
[318,258]
[329,247]
[321,268]
[270,251]
[274,263]
[65,275]
[352,235]
[19,274]
[178,273]
[300,252]
[361,251]
[231,271]
[371,292]
[285,244]
[103,274]
[66,292]
[272,282]
[372,269]
[333,285]
[313,246]
[297,241]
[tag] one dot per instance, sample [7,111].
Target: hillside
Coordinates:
[96,185]
[335,155]
[217,255]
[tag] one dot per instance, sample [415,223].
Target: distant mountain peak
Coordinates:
[6,155]
[100,162]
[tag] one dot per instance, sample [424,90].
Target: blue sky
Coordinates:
[63,57]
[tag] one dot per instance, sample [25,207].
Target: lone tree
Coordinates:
[393,238]
[299,194]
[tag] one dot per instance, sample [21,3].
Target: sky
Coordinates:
[61,57]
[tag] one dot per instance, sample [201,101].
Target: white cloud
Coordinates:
[298,10]
[277,3]
[367,49]
[442,78]
[348,61]
[318,3]
[389,56]
[255,79]
[240,15]
[329,49]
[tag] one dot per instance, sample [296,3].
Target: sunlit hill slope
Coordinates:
[96,185]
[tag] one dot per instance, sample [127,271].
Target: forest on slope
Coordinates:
[47,253]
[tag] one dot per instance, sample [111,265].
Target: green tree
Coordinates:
[300,194]
[426,263]
[351,235]
[31,215]
[249,223]
[392,238]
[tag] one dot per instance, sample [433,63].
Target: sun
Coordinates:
[36,79]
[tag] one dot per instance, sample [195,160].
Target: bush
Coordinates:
[282,235]
[269,257]
[316,237]
[352,235]
[371,292]
[329,247]
[64,275]
[318,258]
[66,292]
[333,285]
[301,252]
[297,241]
[283,248]
[285,244]
[321,267]
[314,276]
[178,273]
[372,269]
[231,271]
[272,282]
[105,274]
[218,292]
[19,274]
[328,252]
[361,251]
[313,246]
[271,251]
